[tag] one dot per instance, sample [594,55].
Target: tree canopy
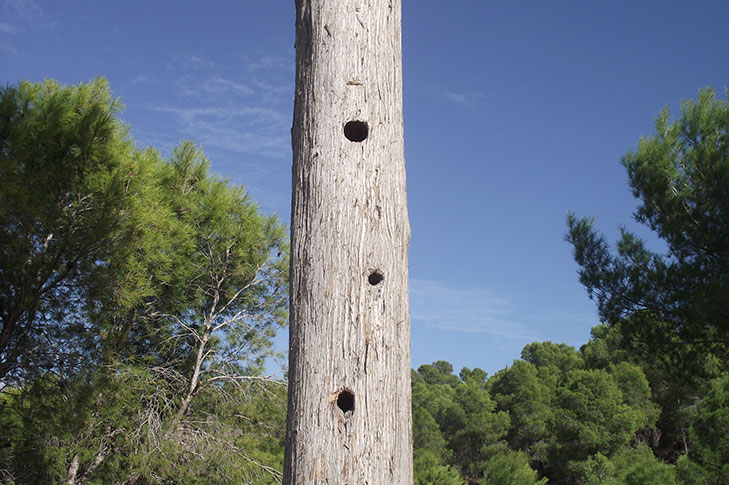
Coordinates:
[678,298]
[139,298]
[64,197]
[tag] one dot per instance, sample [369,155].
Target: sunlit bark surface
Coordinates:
[349,378]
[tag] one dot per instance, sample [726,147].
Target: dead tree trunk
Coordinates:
[349,416]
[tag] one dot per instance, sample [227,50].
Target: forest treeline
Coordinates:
[139,298]
[646,400]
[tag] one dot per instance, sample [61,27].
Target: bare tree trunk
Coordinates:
[72,471]
[98,460]
[194,383]
[349,416]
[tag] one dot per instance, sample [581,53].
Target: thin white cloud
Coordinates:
[9,48]
[24,16]
[274,93]
[463,310]
[464,98]
[212,85]
[139,79]
[27,9]
[240,129]
[223,85]
[276,63]
[8,29]
[240,114]
[191,61]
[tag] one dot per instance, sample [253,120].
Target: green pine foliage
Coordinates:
[455,422]
[563,417]
[510,468]
[710,429]
[139,301]
[675,302]
[64,190]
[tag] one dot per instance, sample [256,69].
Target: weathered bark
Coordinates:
[349,366]
[194,384]
[72,471]
[98,460]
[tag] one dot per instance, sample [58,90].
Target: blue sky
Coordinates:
[515,113]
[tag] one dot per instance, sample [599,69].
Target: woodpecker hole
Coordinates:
[356,131]
[345,401]
[375,278]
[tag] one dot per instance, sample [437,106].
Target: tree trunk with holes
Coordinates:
[349,416]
